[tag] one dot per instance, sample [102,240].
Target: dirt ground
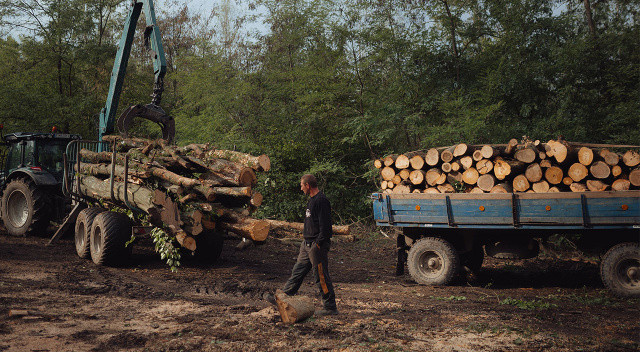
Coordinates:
[73,305]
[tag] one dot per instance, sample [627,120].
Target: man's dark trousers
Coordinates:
[313,256]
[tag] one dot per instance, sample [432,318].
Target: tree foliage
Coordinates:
[325,87]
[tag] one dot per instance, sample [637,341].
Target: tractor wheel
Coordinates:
[208,246]
[83,230]
[620,269]
[109,234]
[24,208]
[433,261]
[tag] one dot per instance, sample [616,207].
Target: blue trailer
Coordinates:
[443,233]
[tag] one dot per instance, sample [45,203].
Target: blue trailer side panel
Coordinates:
[550,210]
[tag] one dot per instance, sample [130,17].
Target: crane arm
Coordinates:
[153,42]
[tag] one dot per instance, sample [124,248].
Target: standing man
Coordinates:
[314,249]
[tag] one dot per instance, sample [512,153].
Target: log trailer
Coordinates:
[442,233]
[99,233]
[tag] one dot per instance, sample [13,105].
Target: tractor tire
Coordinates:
[24,208]
[620,269]
[83,230]
[110,232]
[208,247]
[433,261]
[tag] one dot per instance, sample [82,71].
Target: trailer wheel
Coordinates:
[109,233]
[24,210]
[433,261]
[620,269]
[83,230]
[209,246]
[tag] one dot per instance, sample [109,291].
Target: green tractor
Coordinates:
[31,181]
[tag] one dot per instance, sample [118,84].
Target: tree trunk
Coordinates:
[503,168]
[470,176]
[597,185]
[533,173]
[404,174]
[342,230]
[460,150]
[631,158]
[402,162]
[389,160]
[585,156]
[258,163]
[466,162]
[621,185]
[294,309]
[486,182]
[578,187]
[447,155]
[445,167]
[540,187]
[433,157]
[417,177]
[520,183]
[445,188]
[484,166]
[578,172]
[388,173]
[554,175]
[501,188]
[432,176]
[526,154]
[610,157]
[600,170]
[634,177]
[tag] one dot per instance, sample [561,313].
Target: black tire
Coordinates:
[473,259]
[208,246]
[620,269]
[109,234]
[83,230]
[24,208]
[433,261]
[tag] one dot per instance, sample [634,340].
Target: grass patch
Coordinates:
[450,298]
[533,304]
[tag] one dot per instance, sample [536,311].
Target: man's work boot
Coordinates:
[324,311]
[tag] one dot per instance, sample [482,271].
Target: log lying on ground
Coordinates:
[298,226]
[294,309]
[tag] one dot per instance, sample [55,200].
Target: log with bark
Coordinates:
[342,230]
[294,309]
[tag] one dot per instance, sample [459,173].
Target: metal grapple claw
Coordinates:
[150,112]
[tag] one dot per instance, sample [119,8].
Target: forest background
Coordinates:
[325,86]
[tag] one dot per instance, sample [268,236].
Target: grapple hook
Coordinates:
[150,112]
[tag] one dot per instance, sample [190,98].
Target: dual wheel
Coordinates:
[102,235]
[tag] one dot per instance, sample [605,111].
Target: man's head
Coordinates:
[309,184]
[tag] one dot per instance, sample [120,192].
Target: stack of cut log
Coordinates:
[519,166]
[186,190]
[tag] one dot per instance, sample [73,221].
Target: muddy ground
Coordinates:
[73,305]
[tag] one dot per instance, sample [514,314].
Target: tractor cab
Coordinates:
[37,154]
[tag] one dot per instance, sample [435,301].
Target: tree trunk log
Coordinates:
[484,166]
[634,177]
[433,157]
[389,160]
[470,176]
[631,158]
[533,173]
[466,162]
[597,185]
[294,309]
[387,173]
[258,163]
[526,155]
[621,185]
[486,182]
[520,183]
[342,230]
[503,168]
[445,167]
[404,174]
[554,175]
[585,156]
[610,157]
[600,170]
[540,187]
[417,177]
[578,187]
[402,162]
[502,188]
[578,172]
[445,188]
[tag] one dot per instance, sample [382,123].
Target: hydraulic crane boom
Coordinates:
[151,111]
